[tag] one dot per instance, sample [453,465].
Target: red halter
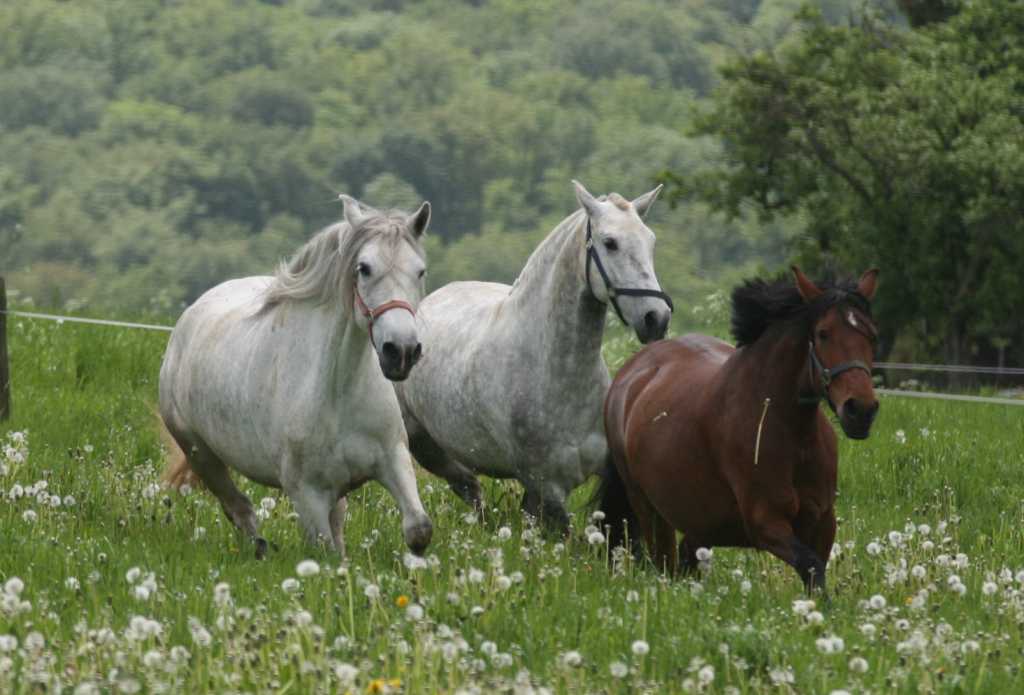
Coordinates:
[375,313]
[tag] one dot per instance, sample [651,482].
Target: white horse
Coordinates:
[276,377]
[513,385]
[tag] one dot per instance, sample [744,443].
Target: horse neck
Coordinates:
[778,366]
[552,293]
[347,348]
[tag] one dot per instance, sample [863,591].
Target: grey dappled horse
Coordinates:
[283,378]
[512,382]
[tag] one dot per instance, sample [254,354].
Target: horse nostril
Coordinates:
[391,353]
[651,320]
[417,353]
[851,409]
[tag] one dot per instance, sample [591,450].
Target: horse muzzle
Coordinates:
[654,326]
[856,417]
[396,361]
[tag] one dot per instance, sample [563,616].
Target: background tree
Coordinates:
[895,148]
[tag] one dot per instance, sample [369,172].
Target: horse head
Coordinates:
[620,261]
[387,268]
[842,343]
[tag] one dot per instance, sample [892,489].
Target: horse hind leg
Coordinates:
[337,519]
[318,511]
[658,534]
[547,504]
[237,507]
[432,457]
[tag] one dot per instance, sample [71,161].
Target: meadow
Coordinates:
[111,583]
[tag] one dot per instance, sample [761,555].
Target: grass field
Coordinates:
[109,583]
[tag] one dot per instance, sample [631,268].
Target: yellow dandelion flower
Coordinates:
[402,601]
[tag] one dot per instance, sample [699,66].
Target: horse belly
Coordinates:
[210,388]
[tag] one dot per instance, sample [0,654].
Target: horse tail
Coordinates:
[611,498]
[178,471]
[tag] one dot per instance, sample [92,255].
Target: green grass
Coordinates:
[84,396]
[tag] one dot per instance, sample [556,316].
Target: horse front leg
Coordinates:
[774,533]
[398,477]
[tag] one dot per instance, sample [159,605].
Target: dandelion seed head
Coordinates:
[307,568]
[14,586]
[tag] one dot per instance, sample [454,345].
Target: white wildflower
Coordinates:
[859,664]
[572,659]
[14,586]
[307,568]
[346,674]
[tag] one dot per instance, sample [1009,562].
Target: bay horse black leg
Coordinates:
[809,566]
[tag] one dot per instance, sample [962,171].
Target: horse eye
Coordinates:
[822,335]
[422,273]
[611,244]
[364,269]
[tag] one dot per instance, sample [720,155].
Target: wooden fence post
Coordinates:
[5,369]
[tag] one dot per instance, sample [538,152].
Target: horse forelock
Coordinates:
[325,267]
[758,304]
[618,201]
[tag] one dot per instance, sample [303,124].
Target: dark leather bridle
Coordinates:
[613,291]
[373,314]
[826,375]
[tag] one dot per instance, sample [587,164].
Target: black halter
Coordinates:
[827,375]
[615,292]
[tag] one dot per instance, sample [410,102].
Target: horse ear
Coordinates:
[587,201]
[354,213]
[419,220]
[807,289]
[644,202]
[868,284]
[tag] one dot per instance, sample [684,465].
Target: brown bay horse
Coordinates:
[728,445]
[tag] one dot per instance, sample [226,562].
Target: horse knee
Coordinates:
[417,532]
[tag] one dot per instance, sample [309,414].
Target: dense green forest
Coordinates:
[152,148]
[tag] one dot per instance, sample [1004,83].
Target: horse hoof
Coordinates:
[261,548]
[418,534]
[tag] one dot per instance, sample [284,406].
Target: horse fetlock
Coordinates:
[418,531]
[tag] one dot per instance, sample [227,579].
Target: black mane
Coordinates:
[757,304]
